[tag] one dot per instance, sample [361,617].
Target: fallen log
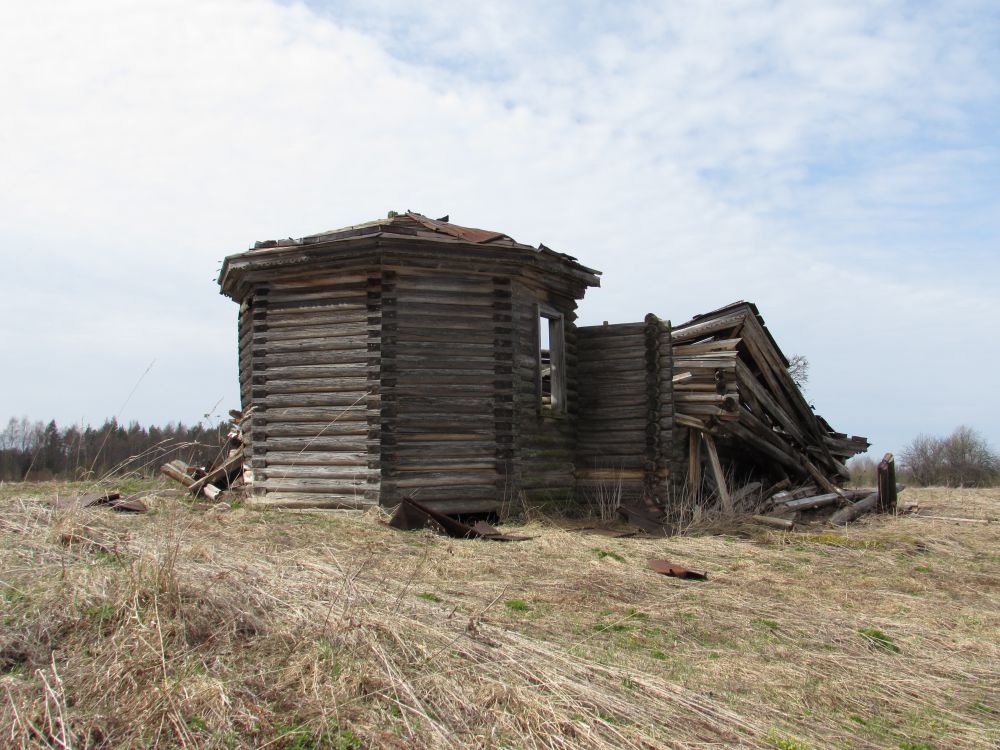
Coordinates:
[855,511]
[177,474]
[777,523]
[808,503]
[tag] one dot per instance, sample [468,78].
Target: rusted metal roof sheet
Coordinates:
[408,224]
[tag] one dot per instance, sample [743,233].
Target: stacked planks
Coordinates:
[731,383]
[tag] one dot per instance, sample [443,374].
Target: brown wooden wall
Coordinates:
[625,432]
[411,375]
[445,381]
[309,368]
[544,445]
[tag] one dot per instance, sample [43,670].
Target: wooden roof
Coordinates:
[409,226]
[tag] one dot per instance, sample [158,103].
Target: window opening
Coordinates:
[551,362]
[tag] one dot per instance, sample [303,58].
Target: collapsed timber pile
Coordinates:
[227,473]
[803,506]
[734,395]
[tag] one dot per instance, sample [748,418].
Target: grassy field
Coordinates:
[194,628]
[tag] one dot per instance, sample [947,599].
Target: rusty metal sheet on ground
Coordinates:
[410,515]
[86,501]
[667,568]
[133,504]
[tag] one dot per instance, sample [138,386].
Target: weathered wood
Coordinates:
[694,464]
[808,503]
[779,523]
[855,511]
[720,479]
[176,474]
[886,475]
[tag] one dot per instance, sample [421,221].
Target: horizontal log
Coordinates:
[317,458]
[347,443]
[703,347]
[299,372]
[351,399]
[309,500]
[358,385]
[317,281]
[333,426]
[357,358]
[339,475]
[328,486]
[807,503]
[778,523]
[308,323]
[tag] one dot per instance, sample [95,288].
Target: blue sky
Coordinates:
[838,163]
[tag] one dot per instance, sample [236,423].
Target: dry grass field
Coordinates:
[192,628]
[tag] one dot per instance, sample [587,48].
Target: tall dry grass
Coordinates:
[184,628]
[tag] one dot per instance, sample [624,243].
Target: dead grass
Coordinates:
[185,628]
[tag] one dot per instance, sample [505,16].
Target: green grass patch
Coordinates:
[430,597]
[197,723]
[831,539]
[518,605]
[879,640]
[785,741]
[301,737]
[612,627]
[602,553]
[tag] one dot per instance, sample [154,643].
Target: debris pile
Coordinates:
[734,394]
[805,506]
[226,474]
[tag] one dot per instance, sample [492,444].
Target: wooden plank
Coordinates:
[808,503]
[318,458]
[694,465]
[855,511]
[720,479]
[310,500]
[887,492]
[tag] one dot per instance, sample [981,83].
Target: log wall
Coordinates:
[544,442]
[625,436]
[445,376]
[309,365]
[405,372]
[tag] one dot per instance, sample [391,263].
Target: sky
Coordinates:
[838,163]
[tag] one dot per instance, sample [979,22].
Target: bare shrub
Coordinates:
[798,368]
[863,471]
[963,459]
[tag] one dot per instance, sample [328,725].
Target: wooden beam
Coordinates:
[694,464]
[720,479]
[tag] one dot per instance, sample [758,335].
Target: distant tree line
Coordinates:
[962,459]
[32,451]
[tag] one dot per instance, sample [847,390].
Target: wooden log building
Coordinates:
[415,357]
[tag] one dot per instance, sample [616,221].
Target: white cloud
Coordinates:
[695,152]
